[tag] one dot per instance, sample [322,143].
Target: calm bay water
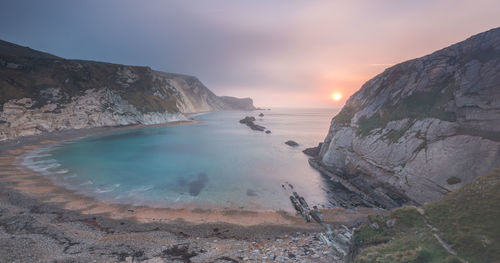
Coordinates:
[216,163]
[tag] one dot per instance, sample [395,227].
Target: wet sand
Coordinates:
[26,193]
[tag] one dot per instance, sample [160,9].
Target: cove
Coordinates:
[216,163]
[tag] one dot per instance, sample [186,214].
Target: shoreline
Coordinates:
[33,195]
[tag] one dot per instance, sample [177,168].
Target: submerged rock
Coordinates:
[291,143]
[198,184]
[251,192]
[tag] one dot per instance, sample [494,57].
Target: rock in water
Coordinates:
[249,121]
[268,131]
[291,143]
[261,115]
[420,122]
[313,151]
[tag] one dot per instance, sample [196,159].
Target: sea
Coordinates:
[216,162]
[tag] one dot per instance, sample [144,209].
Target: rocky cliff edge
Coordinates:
[420,129]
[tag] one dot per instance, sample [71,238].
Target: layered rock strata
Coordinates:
[407,131]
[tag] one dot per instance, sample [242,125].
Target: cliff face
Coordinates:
[192,95]
[421,128]
[40,92]
[238,103]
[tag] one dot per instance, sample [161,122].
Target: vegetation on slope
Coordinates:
[417,106]
[468,220]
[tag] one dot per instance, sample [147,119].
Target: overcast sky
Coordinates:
[279,52]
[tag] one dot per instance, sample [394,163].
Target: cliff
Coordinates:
[40,92]
[420,129]
[238,103]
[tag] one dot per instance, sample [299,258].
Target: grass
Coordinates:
[366,125]
[345,115]
[394,135]
[467,219]
[419,105]
[74,77]
[409,240]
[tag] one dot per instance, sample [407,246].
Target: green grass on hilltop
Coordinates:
[467,219]
[409,240]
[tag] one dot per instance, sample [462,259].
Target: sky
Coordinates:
[281,53]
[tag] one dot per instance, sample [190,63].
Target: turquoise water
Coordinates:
[215,163]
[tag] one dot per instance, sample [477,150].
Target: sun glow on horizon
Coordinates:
[336,96]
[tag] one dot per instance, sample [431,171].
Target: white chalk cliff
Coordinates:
[40,93]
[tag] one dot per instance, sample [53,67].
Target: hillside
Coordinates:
[463,226]
[40,92]
[420,129]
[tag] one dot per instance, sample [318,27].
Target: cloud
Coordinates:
[294,51]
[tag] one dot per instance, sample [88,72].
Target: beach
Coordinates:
[61,224]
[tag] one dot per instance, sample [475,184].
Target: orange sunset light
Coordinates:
[336,96]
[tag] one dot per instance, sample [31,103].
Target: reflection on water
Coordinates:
[218,162]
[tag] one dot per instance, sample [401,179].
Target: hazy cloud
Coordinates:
[281,53]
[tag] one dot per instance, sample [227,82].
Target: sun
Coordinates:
[336,96]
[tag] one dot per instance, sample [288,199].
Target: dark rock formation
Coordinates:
[261,114]
[313,151]
[249,121]
[291,143]
[301,206]
[406,131]
[268,131]
[339,240]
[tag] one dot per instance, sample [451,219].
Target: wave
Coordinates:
[107,189]
[141,189]
[86,183]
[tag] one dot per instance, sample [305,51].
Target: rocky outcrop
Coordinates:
[408,130]
[232,103]
[249,121]
[291,143]
[40,92]
[313,151]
